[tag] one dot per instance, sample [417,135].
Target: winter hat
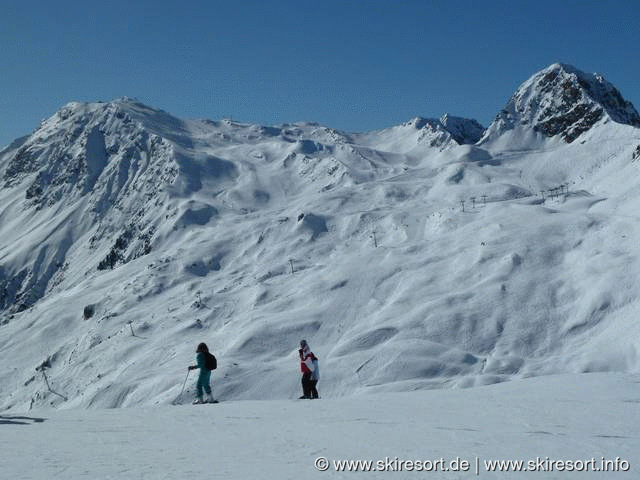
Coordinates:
[202,348]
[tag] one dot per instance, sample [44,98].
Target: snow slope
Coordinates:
[129,236]
[588,422]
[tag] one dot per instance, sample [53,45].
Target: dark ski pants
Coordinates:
[313,389]
[203,382]
[306,385]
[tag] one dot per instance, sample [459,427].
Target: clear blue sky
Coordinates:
[354,65]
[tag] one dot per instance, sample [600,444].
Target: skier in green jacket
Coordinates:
[204,379]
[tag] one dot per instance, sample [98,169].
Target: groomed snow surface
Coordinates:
[577,426]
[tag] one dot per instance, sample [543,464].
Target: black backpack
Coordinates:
[210,362]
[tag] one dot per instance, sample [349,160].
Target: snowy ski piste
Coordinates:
[589,420]
[472,293]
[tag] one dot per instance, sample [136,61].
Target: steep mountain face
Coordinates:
[423,137]
[412,257]
[464,131]
[88,171]
[562,100]
[69,153]
[93,157]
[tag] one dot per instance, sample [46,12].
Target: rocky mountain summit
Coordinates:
[464,130]
[562,100]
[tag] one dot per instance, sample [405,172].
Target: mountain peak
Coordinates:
[562,100]
[463,130]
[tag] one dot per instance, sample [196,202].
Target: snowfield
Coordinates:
[587,421]
[429,255]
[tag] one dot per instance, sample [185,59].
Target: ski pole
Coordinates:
[185,381]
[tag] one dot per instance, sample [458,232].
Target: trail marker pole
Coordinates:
[46,381]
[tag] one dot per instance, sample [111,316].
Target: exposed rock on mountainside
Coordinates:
[463,130]
[562,100]
[422,137]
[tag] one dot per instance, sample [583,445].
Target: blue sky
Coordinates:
[354,65]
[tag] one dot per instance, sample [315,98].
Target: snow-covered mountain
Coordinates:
[424,255]
[563,101]
[420,137]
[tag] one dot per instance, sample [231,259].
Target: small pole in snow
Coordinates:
[42,368]
[484,199]
[291,262]
[462,203]
[473,200]
[130,322]
[375,240]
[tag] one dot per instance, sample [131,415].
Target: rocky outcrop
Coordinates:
[562,100]
[464,131]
